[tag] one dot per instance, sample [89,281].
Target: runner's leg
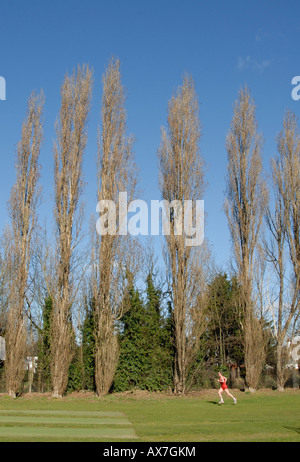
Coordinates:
[229,394]
[220,394]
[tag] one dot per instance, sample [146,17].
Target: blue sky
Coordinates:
[222,44]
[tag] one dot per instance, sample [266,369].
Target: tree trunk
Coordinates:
[280,375]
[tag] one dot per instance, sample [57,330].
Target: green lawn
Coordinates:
[263,416]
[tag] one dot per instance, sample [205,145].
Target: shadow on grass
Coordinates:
[295,429]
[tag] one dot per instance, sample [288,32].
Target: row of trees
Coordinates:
[97,282]
[146,341]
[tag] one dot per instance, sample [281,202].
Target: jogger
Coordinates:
[224,387]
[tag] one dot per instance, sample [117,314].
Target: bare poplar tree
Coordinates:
[283,223]
[22,210]
[69,149]
[182,178]
[246,199]
[4,279]
[288,144]
[111,253]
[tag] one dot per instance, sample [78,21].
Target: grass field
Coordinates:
[143,417]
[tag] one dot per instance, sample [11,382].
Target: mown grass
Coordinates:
[264,416]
